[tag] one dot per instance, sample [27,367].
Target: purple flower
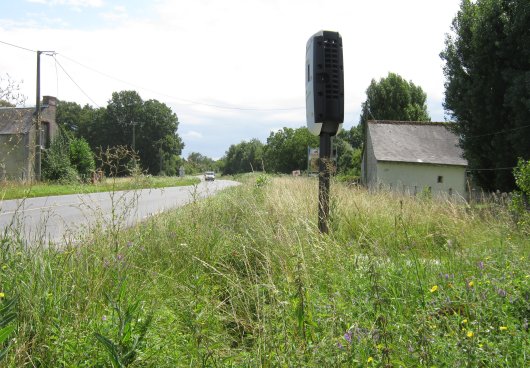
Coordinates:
[104,318]
[347,336]
[339,345]
[480,265]
[129,244]
[502,293]
[119,257]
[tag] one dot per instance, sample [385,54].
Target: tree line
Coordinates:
[487,97]
[148,128]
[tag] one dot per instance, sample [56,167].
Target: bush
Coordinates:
[81,157]
[56,164]
[520,205]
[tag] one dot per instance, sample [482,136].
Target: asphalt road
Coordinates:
[62,219]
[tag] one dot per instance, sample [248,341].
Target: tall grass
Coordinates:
[245,279]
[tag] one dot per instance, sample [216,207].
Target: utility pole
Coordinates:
[134,123]
[38,138]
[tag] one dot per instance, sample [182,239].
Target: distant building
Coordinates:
[412,157]
[18,138]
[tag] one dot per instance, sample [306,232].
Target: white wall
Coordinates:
[413,178]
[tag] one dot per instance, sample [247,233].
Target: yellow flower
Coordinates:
[2,295]
[503,328]
[370,360]
[434,288]
[470,283]
[464,321]
[469,334]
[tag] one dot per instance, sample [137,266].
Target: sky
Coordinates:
[231,70]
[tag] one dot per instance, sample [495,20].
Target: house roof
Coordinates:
[16,120]
[415,142]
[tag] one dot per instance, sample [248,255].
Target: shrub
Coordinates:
[520,205]
[81,157]
[56,164]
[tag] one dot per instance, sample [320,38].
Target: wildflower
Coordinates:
[2,295]
[104,318]
[503,328]
[129,244]
[120,257]
[370,360]
[501,293]
[470,284]
[469,334]
[434,288]
[4,267]
[464,321]
[480,265]
[347,336]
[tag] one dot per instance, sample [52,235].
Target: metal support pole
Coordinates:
[323,182]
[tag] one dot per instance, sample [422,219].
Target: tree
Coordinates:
[244,157]
[150,126]
[197,162]
[82,157]
[393,98]
[286,149]
[354,136]
[487,90]
[10,95]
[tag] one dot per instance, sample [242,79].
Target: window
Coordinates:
[45,134]
[440,179]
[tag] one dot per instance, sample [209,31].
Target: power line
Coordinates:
[495,169]
[65,72]
[499,132]
[187,101]
[18,47]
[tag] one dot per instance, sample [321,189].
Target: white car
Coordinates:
[209,176]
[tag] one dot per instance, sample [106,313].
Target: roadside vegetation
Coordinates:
[245,279]
[15,190]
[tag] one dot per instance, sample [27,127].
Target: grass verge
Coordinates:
[245,279]
[11,190]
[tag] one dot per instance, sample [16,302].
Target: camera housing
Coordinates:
[324,83]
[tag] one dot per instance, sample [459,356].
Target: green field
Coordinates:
[15,190]
[244,279]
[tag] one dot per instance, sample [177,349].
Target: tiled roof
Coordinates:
[416,142]
[16,120]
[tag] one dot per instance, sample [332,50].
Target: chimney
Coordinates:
[49,100]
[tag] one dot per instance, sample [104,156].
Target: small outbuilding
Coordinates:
[413,157]
[18,138]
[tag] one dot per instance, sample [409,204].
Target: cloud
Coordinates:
[71,3]
[236,53]
[192,135]
[118,13]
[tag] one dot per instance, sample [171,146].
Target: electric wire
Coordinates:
[17,46]
[187,101]
[81,89]
[499,132]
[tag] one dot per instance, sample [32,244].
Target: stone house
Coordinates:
[18,138]
[413,157]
